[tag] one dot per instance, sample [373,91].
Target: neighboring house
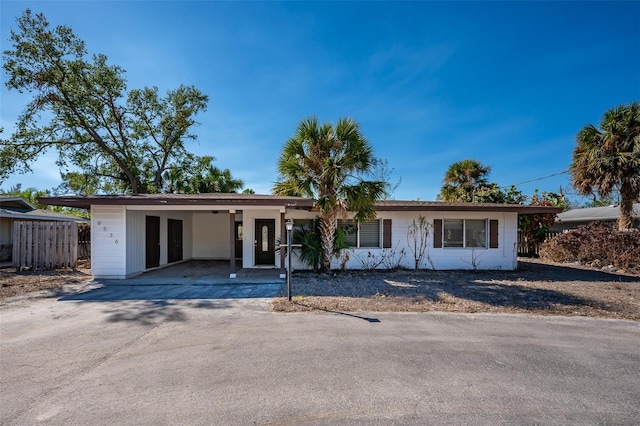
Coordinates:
[17,208]
[609,214]
[131,234]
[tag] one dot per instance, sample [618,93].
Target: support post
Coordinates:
[289,246]
[232,243]
[282,240]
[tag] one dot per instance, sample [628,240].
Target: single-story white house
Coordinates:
[131,234]
[17,208]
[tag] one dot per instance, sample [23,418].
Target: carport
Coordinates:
[135,234]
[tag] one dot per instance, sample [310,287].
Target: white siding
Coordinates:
[108,241]
[504,257]
[136,242]
[211,235]
[136,223]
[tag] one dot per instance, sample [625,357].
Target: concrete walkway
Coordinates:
[216,360]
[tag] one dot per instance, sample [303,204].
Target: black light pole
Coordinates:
[289,226]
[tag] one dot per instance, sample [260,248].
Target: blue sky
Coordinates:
[507,83]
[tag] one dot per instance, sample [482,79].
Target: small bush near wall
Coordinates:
[596,244]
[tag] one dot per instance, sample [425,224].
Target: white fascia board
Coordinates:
[188,208]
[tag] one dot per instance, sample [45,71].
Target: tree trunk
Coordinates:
[328,227]
[625,221]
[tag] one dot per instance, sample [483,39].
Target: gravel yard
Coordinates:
[536,288]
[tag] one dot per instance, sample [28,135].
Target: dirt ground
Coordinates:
[535,288]
[14,283]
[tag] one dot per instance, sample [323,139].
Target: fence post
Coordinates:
[74,244]
[15,254]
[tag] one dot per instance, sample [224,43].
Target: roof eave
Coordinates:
[473,207]
[288,202]
[87,202]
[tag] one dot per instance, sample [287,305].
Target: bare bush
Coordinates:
[595,244]
[390,259]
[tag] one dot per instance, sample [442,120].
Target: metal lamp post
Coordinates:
[289,226]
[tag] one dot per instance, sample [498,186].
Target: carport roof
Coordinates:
[216,199]
[239,200]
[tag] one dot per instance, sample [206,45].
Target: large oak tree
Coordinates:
[107,138]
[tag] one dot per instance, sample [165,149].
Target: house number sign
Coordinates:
[104,228]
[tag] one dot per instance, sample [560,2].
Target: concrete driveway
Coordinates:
[185,356]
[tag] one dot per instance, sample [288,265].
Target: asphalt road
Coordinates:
[218,360]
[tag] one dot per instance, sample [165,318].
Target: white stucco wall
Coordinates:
[504,257]
[248,244]
[117,254]
[211,235]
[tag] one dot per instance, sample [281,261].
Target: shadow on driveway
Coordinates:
[110,292]
[165,295]
[154,304]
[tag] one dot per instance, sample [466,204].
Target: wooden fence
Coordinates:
[530,248]
[45,245]
[84,241]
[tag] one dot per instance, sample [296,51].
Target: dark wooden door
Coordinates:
[174,240]
[239,237]
[265,242]
[152,237]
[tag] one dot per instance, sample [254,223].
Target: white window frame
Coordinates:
[464,235]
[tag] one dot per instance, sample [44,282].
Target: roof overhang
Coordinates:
[239,201]
[16,202]
[43,217]
[185,200]
[419,206]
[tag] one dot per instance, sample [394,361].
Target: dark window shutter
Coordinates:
[386,233]
[493,234]
[437,233]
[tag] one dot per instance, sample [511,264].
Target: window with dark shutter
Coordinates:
[437,233]
[369,233]
[493,234]
[386,233]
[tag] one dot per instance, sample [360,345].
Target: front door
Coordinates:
[152,245]
[265,241]
[174,240]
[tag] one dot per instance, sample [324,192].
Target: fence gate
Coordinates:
[531,248]
[45,245]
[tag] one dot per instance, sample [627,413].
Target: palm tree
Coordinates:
[462,179]
[608,158]
[326,163]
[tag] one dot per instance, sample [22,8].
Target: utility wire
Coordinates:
[543,177]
